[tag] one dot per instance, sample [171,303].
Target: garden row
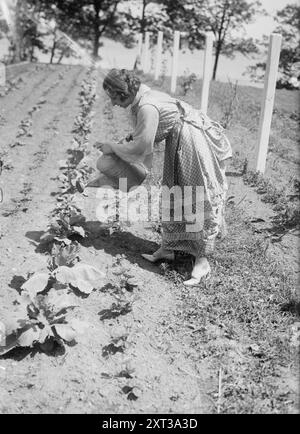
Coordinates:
[40,314]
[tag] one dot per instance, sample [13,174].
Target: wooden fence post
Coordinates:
[138,59]
[2,74]
[268,101]
[175,61]
[158,55]
[207,71]
[146,53]
[140,44]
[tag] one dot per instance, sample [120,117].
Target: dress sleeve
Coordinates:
[143,136]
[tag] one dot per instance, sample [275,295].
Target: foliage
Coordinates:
[288,20]
[285,203]
[187,83]
[224,18]
[38,317]
[41,312]
[85,20]
[63,256]
[144,16]
[3,27]
[230,105]
[68,223]
[82,20]
[82,277]
[26,35]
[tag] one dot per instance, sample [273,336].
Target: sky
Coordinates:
[265,25]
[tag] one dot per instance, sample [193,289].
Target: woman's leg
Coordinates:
[112,170]
[201,270]
[160,254]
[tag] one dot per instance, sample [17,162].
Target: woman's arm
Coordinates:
[104,147]
[143,137]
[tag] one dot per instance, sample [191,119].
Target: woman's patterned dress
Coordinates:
[195,151]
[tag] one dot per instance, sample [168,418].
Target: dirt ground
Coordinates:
[131,360]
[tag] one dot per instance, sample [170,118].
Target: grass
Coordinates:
[243,319]
[284,201]
[241,105]
[238,109]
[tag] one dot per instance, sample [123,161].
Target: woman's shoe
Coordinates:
[159,256]
[196,280]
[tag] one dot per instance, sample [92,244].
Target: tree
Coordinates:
[143,16]
[49,20]
[88,19]
[289,64]
[80,19]
[23,34]
[288,20]
[225,18]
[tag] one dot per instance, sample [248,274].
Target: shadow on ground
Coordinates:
[120,243]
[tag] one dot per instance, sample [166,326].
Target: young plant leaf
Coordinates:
[81,276]
[76,219]
[29,336]
[45,333]
[47,237]
[65,332]
[79,230]
[59,300]
[64,240]
[64,255]
[37,283]
[9,343]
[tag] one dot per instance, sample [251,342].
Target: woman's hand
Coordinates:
[104,147]
[129,137]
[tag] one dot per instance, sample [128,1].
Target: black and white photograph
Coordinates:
[149,210]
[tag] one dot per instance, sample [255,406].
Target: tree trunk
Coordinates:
[220,40]
[96,45]
[143,20]
[96,29]
[18,33]
[62,55]
[53,47]
[218,52]
[32,54]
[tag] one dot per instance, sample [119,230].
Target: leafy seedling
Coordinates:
[64,227]
[39,319]
[83,277]
[115,311]
[63,256]
[112,349]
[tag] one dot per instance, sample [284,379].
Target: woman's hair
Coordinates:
[123,82]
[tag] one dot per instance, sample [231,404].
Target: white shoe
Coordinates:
[196,280]
[158,256]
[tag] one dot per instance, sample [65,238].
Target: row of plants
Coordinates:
[39,315]
[285,201]
[10,85]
